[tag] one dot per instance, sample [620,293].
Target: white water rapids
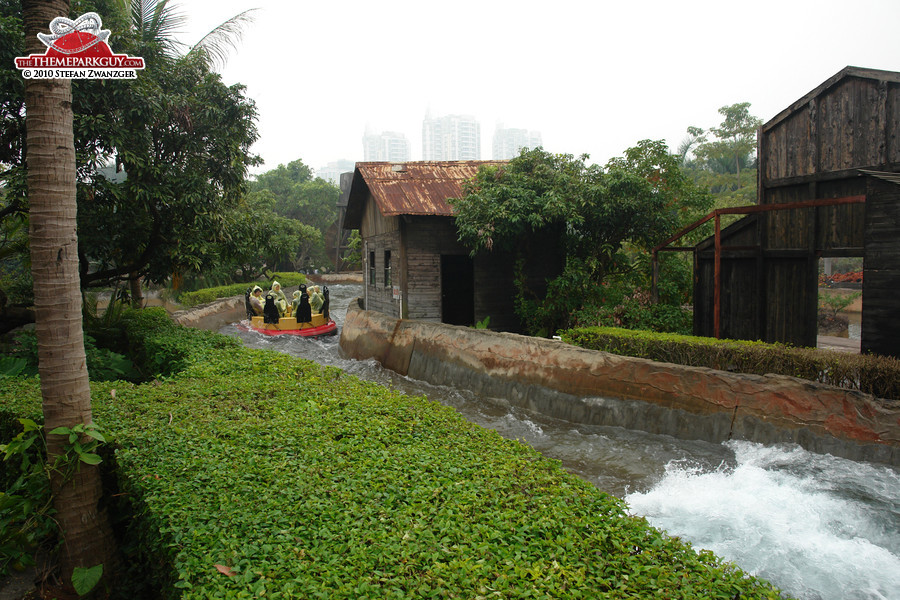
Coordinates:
[818,527]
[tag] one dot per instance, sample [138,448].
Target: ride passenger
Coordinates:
[270,310]
[316,300]
[280,299]
[256,302]
[303,312]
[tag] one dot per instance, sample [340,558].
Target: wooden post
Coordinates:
[717,277]
[654,277]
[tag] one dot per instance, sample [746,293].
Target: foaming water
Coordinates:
[818,527]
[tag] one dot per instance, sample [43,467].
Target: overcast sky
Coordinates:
[593,77]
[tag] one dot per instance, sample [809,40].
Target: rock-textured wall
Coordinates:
[212,316]
[586,386]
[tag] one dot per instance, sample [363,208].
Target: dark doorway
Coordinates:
[457,290]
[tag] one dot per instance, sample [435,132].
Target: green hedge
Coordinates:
[252,474]
[876,375]
[203,296]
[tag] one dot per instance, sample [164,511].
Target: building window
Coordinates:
[387,268]
[371,268]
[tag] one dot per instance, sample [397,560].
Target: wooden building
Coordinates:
[829,186]
[413,264]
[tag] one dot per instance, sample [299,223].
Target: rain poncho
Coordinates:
[303,313]
[316,300]
[256,302]
[280,299]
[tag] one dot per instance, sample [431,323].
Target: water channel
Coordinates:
[818,527]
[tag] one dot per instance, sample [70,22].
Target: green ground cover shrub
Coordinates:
[876,375]
[203,296]
[103,364]
[255,474]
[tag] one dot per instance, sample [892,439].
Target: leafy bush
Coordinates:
[835,303]
[876,375]
[238,289]
[253,473]
[161,348]
[102,364]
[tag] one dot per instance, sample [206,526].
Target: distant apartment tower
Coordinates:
[508,142]
[388,146]
[452,137]
[332,171]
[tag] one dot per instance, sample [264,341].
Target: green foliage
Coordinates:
[260,239]
[726,164]
[353,255]
[484,323]
[26,511]
[11,366]
[306,200]
[102,364]
[876,375]
[26,507]
[601,218]
[84,580]
[836,302]
[253,473]
[162,348]
[238,289]
[177,138]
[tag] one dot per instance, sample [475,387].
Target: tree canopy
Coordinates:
[596,215]
[175,142]
[299,195]
[723,159]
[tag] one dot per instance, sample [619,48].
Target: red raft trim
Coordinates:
[329,328]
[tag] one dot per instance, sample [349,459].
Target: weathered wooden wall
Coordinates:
[741,287]
[380,233]
[425,240]
[881,280]
[812,150]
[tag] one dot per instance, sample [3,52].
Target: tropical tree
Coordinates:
[722,159]
[177,140]
[183,147]
[301,196]
[157,24]
[266,240]
[599,216]
[86,535]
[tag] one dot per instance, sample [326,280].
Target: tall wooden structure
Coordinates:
[413,264]
[829,164]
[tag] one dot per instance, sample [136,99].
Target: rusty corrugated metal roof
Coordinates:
[886,176]
[419,187]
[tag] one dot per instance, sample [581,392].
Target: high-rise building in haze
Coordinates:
[388,146]
[452,137]
[332,171]
[508,142]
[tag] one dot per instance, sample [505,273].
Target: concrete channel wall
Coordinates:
[598,388]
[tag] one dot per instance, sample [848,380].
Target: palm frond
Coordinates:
[216,45]
[157,22]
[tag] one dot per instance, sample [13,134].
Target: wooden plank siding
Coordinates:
[426,239]
[881,280]
[741,317]
[814,150]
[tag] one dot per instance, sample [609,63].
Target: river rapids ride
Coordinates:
[298,320]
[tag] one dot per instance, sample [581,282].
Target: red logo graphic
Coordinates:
[78,50]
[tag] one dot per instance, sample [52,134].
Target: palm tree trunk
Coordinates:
[137,295]
[50,146]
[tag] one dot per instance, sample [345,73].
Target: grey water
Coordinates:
[817,526]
